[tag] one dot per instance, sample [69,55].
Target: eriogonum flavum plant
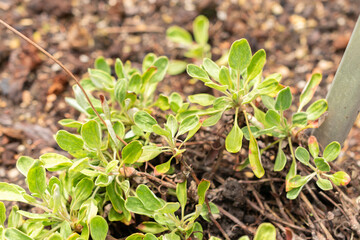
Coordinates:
[108,149]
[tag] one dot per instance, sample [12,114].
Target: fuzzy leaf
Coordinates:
[91,133]
[321,164]
[309,90]
[255,158]
[283,100]
[256,64]
[332,151]
[317,109]
[233,141]
[340,178]
[265,231]
[240,55]
[98,228]
[179,35]
[302,155]
[201,28]
[144,120]
[313,146]
[132,152]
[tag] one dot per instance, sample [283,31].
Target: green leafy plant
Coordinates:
[183,227]
[130,125]
[320,167]
[196,49]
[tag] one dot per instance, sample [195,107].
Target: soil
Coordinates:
[300,37]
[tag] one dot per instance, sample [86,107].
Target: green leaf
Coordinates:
[98,228]
[136,236]
[272,118]
[265,231]
[91,134]
[202,99]
[187,124]
[15,234]
[181,194]
[299,119]
[132,152]
[309,90]
[172,124]
[149,152]
[255,158]
[148,61]
[211,68]
[233,141]
[212,120]
[2,214]
[256,64]
[133,204]
[176,102]
[83,190]
[240,55]
[317,109]
[151,227]
[135,83]
[202,189]
[101,64]
[144,120]
[120,90]
[70,143]
[197,73]
[55,236]
[268,101]
[71,123]
[101,79]
[321,164]
[148,198]
[201,28]
[340,178]
[55,162]
[324,184]
[163,102]
[23,164]
[160,131]
[179,35]
[36,178]
[313,146]
[176,67]
[224,77]
[161,64]
[267,87]
[332,151]
[302,155]
[218,87]
[164,167]
[280,160]
[298,181]
[283,100]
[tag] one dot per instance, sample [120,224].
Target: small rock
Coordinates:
[341,41]
[13,173]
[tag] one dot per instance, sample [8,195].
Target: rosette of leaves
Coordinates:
[165,219]
[240,83]
[274,123]
[320,167]
[130,88]
[171,132]
[195,49]
[70,203]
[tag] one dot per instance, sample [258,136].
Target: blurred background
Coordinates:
[300,37]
